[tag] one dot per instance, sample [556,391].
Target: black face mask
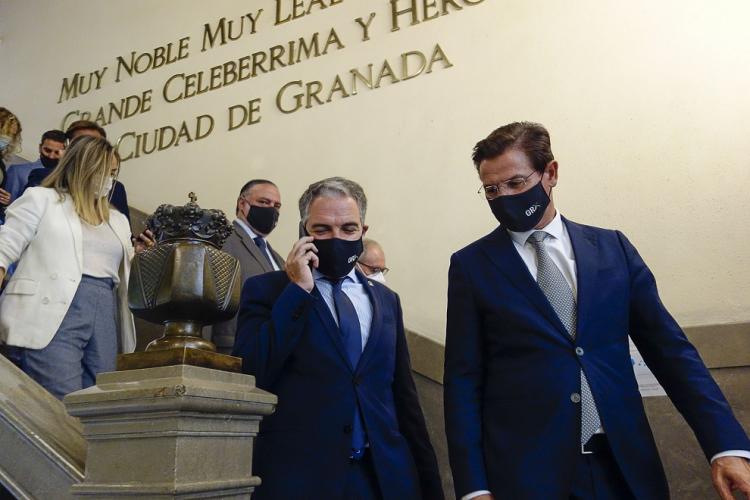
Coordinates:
[337,257]
[521,212]
[49,162]
[263,219]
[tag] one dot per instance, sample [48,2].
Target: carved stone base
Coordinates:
[170,432]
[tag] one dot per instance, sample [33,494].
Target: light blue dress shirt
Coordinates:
[355,290]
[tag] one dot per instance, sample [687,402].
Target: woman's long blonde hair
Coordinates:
[81,173]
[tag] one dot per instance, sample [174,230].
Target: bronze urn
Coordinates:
[184,282]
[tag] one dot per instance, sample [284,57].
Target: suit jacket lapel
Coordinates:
[330,326]
[500,250]
[376,329]
[586,251]
[252,248]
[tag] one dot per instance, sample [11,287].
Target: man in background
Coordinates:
[372,261]
[51,149]
[118,196]
[257,211]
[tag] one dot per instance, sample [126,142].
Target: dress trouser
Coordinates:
[361,481]
[598,476]
[84,345]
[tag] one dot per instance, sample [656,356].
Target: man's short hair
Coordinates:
[53,135]
[337,187]
[530,138]
[250,184]
[83,125]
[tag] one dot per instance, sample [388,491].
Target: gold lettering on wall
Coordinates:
[160,56]
[296,94]
[418,11]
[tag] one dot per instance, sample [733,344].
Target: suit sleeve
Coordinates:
[13,182]
[269,326]
[120,199]
[463,383]
[677,364]
[411,420]
[21,222]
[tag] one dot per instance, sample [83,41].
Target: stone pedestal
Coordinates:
[170,432]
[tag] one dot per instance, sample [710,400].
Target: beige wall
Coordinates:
[647,103]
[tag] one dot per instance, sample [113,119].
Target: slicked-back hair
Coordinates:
[333,187]
[250,184]
[527,137]
[53,135]
[246,189]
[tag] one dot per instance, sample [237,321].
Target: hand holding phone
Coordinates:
[302,258]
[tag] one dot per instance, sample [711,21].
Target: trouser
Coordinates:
[361,481]
[598,476]
[84,345]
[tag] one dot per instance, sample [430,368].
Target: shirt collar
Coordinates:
[247,229]
[554,229]
[317,275]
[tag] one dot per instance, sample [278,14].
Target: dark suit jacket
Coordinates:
[289,340]
[119,196]
[511,368]
[252,263]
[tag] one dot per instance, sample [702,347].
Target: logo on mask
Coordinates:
[530,211]
[353,258]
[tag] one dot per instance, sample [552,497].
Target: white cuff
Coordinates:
[475,494]
[732,453]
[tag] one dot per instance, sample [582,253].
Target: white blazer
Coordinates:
[43,234]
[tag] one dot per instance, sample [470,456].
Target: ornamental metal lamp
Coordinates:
[184,282]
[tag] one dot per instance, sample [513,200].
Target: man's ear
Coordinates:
[365,227]
[551,171]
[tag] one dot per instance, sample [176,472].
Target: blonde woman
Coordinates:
[66,304]
[10,140]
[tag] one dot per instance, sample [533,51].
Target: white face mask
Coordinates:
[378,276]
[106,188]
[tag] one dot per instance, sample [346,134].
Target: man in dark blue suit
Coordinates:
[541,401]
[330,344]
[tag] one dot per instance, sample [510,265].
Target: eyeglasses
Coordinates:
[375,269]
[511,186]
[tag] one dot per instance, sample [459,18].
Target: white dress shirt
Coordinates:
[560,249]
[355,290]
[253,235]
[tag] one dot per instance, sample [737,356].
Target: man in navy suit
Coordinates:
[330,344]
[541,401]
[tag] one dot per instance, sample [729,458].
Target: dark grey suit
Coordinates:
[252,262]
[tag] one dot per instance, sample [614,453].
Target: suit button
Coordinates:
[347,429]
[45,300]
[579,351]
[575,397]
[357,380]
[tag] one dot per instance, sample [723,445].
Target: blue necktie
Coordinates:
[261,243]
[351,335]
